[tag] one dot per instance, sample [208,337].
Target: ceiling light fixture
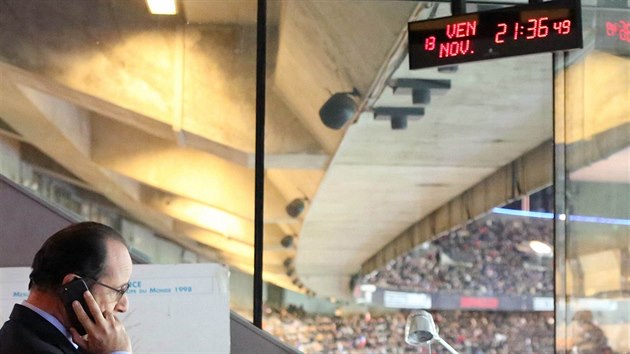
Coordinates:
[447,69]
[290,272]
[162,7]
[541,248]
[420,89]
[398,115]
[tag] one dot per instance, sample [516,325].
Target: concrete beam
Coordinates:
[39,121]
[530,172]
[189,173]
[191,139]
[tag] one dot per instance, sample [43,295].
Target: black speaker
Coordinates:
[295,208]
[286,241]
[339,108]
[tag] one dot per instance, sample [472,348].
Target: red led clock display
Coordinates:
[494,34]
[619,30]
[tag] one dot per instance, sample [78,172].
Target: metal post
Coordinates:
[261,49]
[458,7]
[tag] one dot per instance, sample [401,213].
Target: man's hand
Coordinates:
[105,335]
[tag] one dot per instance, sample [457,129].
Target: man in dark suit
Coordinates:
[90,251]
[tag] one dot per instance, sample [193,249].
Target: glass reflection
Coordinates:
[487,278]
[593,298]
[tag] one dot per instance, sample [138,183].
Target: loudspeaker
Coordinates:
[339,108]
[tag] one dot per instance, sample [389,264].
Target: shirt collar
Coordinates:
[52,319]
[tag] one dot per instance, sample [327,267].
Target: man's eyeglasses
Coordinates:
[119,291]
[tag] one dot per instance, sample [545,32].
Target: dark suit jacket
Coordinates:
[26,332]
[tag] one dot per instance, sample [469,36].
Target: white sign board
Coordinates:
[13,289]
[396,299]
[173,308]
[594,304]
[543,303]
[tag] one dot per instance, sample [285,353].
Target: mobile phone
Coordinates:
[74,291]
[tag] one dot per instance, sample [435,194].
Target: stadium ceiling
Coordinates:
[158,116]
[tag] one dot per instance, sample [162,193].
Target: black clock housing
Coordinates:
[511,31]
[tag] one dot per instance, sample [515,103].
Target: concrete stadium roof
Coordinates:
[158,115]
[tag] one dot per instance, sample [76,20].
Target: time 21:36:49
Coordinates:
[534,28]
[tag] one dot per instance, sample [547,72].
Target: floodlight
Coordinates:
[420,329]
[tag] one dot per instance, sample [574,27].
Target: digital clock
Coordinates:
[517,30]
[613,31]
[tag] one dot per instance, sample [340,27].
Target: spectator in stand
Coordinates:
[482,258]
[467,331]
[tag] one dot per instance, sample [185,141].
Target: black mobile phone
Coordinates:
[74,291]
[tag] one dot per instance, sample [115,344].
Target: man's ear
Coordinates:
[68,278]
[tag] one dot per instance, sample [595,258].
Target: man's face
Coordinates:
[117,274]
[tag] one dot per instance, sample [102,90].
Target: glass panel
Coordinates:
[593,174]
[138,120]
[391,191]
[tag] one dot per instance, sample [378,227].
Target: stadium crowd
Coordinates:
[489,256]
[469,332]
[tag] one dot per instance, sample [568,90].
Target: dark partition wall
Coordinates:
[25,222]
